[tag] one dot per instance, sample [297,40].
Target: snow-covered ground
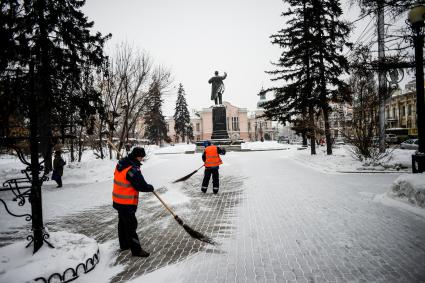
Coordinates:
[88,184]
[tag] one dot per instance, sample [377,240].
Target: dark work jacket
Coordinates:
[135,177]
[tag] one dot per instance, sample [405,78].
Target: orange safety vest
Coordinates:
[212,158]
[123,192]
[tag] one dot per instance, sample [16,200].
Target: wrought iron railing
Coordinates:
[21,189]
[70,274]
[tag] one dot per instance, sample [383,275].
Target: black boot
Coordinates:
[141,253]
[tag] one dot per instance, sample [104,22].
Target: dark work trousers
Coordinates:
[207,175]
[127,225]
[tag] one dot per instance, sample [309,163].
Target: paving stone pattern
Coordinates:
[159,233]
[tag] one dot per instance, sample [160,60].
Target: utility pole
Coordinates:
[416,19]
[382,84]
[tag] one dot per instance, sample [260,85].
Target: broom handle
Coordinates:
[200,167]
[164,204]
[116,149]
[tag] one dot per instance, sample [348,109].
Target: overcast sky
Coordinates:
[193,38]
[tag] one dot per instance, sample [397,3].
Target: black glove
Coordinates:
[223,151]
[151,188]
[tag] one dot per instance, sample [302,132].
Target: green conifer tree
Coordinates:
[294,101]
[330,37]
[155,125]
[182,125]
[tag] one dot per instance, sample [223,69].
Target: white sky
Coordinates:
[194,38]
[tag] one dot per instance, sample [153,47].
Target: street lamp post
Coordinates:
[416,19]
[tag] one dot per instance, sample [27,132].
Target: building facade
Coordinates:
[241,125]
[400,109]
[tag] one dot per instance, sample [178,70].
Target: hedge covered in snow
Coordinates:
[410,187]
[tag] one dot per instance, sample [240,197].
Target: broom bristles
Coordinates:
[197,235]
[193,233]
[185,177]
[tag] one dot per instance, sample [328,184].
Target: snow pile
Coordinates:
[266,145]
[88,171]
[341,159]
[19,264]
[177,148]
[394,159]
[410,188]
[10,167]
[401,157]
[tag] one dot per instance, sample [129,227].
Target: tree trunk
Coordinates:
[80,143]
[45,90]
[100,139]
[327,130]
[304,137]
[311,130]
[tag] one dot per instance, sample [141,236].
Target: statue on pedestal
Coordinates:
[217,87]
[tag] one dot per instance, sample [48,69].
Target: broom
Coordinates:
[187,176]
[193,233]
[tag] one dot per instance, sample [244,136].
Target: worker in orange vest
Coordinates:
[212,161]
[128,182]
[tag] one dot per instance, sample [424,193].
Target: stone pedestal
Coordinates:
[219,136]
[219,123]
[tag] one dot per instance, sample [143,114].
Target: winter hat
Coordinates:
[138,152]
[207,143]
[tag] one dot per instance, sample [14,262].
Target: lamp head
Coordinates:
[416,15]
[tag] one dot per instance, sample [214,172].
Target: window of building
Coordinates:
[394,113]
[403,111]
[198,127]
[228,123]
[409,110]
[168,128]
[249,126]
[235,123]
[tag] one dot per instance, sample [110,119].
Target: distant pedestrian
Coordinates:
[58,164]
[128,182]
[212,161]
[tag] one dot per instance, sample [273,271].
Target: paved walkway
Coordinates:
[306,227]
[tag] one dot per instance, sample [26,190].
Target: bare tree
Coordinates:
[124,86]
[134,69]
[365,123]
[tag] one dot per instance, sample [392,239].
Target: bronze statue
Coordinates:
[217,87]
